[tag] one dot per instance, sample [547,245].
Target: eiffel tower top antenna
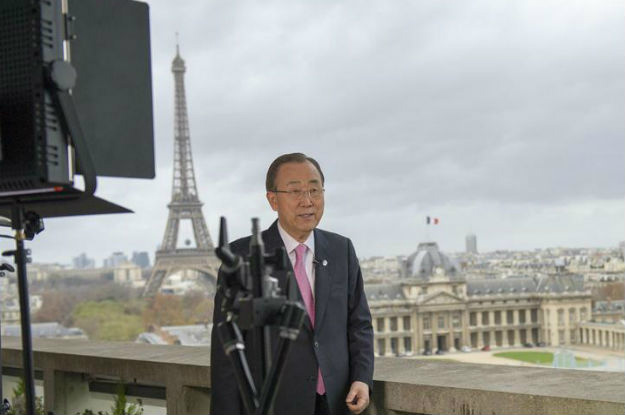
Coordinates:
[184,187]
[185,204]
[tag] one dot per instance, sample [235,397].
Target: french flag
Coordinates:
[432,221]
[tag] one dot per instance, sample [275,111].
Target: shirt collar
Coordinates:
[291,243]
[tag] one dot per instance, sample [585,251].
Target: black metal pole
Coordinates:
[1,391]
[270,386]
[4,407]
[234,348]
[261,338]
[22,282]
[293,315]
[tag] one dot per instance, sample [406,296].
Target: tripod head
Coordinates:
[247,279]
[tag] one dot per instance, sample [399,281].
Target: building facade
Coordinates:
[605,335]
[128,273]
[82,261]
[471,243]
[115,260]
[141,259]
[433,307]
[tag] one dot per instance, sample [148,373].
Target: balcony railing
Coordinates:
[75,373]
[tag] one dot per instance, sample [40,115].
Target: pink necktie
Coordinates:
[307,295]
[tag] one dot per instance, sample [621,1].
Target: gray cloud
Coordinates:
[485,111]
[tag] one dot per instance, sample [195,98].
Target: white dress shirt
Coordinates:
[291,243]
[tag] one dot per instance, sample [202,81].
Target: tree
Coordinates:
[198,308]
[56,306]
[109,320]
[61,295]
[173,310]
[164,310]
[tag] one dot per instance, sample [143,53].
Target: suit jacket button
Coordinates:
[316,345]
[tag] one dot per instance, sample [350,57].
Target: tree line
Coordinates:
[109,311]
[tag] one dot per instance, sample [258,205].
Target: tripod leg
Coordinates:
[1,391]
[235,350]
[270,386]
[292,320]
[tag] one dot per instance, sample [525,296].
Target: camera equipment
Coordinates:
[75,96]
[252,301]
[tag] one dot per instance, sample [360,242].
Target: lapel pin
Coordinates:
[324,262]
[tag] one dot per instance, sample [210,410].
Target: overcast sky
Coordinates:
[501,118]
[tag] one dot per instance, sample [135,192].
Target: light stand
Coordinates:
[25,225]
[42,145]
[61,77]
[4,403]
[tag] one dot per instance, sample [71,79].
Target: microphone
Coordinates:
[322,262]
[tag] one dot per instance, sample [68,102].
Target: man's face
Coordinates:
[297,215]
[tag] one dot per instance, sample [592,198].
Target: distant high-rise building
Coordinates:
[471,242]
[622,249]
[141,259]
[82,262]
[115,259]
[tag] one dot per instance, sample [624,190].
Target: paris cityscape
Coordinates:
[595,277]
[423,303]
[523,266]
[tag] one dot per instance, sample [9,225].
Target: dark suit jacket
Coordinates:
[341,342]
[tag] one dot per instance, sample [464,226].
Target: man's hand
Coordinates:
[358,397]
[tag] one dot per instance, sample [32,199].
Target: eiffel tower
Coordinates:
[185,205]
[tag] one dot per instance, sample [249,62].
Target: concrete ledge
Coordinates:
[401,385]
[445,387]
[173,367]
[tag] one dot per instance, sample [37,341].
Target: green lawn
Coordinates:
[541,358]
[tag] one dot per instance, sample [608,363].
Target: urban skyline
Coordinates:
[144,259]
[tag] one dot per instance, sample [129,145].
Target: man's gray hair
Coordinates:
[272,172]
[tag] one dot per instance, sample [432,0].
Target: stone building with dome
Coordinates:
[433,307]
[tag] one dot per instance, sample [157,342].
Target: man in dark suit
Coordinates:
[329,368]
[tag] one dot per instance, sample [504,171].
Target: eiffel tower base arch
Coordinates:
[168,263]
